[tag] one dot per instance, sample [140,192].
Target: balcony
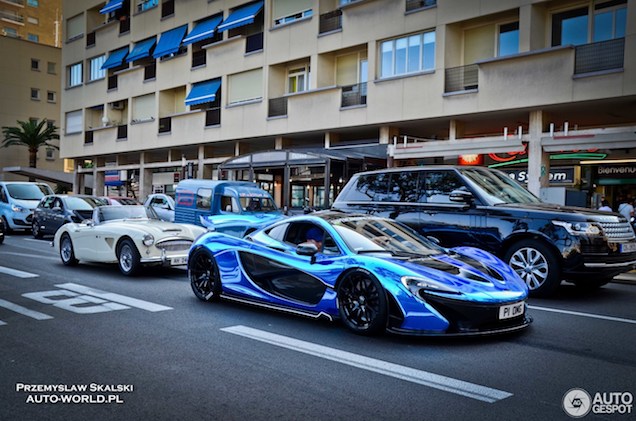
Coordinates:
[277,107]
[12,17]
[412,5]
[599,56]
[462,78]
[330,21]
[354,95]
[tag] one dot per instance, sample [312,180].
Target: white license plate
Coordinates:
[628,247]
[511,310]
[177,261]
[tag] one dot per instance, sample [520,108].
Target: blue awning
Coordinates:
[242,16]
[170,41]
[203,30]
[115,59]
[111,6]
[141,50]
[203,92]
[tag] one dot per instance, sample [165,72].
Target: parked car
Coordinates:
[162,204]
[56,210]
[120,200]
[130,235]
[17,201]
[372,273]
[484,208]
[231,207]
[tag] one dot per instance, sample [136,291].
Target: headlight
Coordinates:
[148,240]
[579,228]
[417,285]
[16,208]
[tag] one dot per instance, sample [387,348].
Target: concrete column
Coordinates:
[99,178]
[538,160]
[455,130]
[387,133]
[200,166]
[78,182]
[145,177]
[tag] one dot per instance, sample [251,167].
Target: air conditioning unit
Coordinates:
[117,105]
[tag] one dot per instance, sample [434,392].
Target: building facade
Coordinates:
[155,90]
[32,20]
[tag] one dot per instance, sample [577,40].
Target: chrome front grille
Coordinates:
[618,231]
[174,245]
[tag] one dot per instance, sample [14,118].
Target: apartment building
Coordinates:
[32,20]
[298,94]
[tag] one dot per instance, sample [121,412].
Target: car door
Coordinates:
[56,215]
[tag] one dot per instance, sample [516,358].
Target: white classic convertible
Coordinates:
[130,235]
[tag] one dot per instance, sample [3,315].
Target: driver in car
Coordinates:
[314,236]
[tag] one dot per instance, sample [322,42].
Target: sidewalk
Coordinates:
[626,278]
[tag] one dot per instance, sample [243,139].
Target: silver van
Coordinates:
[18,199]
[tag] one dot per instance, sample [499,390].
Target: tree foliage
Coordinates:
[32,135]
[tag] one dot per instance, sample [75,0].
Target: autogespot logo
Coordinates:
[577,403]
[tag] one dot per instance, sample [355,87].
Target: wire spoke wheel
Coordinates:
[362,303]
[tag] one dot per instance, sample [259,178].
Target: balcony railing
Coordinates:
[419,4]
[353,95]
[254,43]
[122,131]
[277,107]
[18,2]
[463,78]
[599,56]
[11,16]
[330,21]
[165,124]
[213,116]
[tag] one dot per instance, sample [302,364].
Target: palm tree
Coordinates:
[31,134]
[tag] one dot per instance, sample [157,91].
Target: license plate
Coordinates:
[628,247]
[511,310]
[177,261]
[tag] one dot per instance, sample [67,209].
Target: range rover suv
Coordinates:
[481,207]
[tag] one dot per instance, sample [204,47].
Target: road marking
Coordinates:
[591,316]
[2,323]
[35,256]
[24,311]
[109,296]
[436,381]
[17,273]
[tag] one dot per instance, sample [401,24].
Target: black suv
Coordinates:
[480,207]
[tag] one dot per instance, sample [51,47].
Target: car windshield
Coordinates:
[375,235]
[113,213]
[28,191]
[257,204]
[497,188]
[83,203]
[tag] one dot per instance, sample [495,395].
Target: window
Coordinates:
[35,64]
[50,68]
[298,80]
[10,32]
[570,27]
[33,21]
[439,185]
[35,94]
[75,27]
[403,187]
[74,122]
[609,20]
[204,198]
[410,54]
[75,75]
[49,153]
[508,42]
[245,86]
[33,3]
[95,71]
[51,96]
[33,37]
[146,4]
[285,11]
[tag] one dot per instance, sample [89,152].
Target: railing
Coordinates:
[419,4]
[167,8]
[277,107]
[124,24]
[11,16]
[599,56]
[150,71]
[88,137]
[165,124]
[122,131]
[463,78]
[254,43]
[18,2]
[353,95]
[90,39]
[112,82]
[198,58]
[330,21]
[213,116]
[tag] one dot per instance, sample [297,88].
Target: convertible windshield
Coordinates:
[497,187]
[370,235]
[28,191]
[113,213]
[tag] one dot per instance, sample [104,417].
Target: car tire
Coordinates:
[7,228]
[537,265]
[128,257]
[204,275]
[35,229]
[67,254]
[362,303]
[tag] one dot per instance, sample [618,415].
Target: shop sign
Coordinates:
[557,175]
[616,171]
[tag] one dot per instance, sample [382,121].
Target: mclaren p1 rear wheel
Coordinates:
[362,303]
[204,275]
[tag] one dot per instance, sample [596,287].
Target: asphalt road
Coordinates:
[156,352]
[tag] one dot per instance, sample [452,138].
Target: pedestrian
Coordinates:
[605,206]
[625,208]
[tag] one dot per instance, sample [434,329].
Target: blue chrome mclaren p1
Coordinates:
[372,273]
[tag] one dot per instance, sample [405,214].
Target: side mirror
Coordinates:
[306,249]
[461,196]
[88,222]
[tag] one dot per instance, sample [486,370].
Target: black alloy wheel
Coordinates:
[362,303]
[204,275]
